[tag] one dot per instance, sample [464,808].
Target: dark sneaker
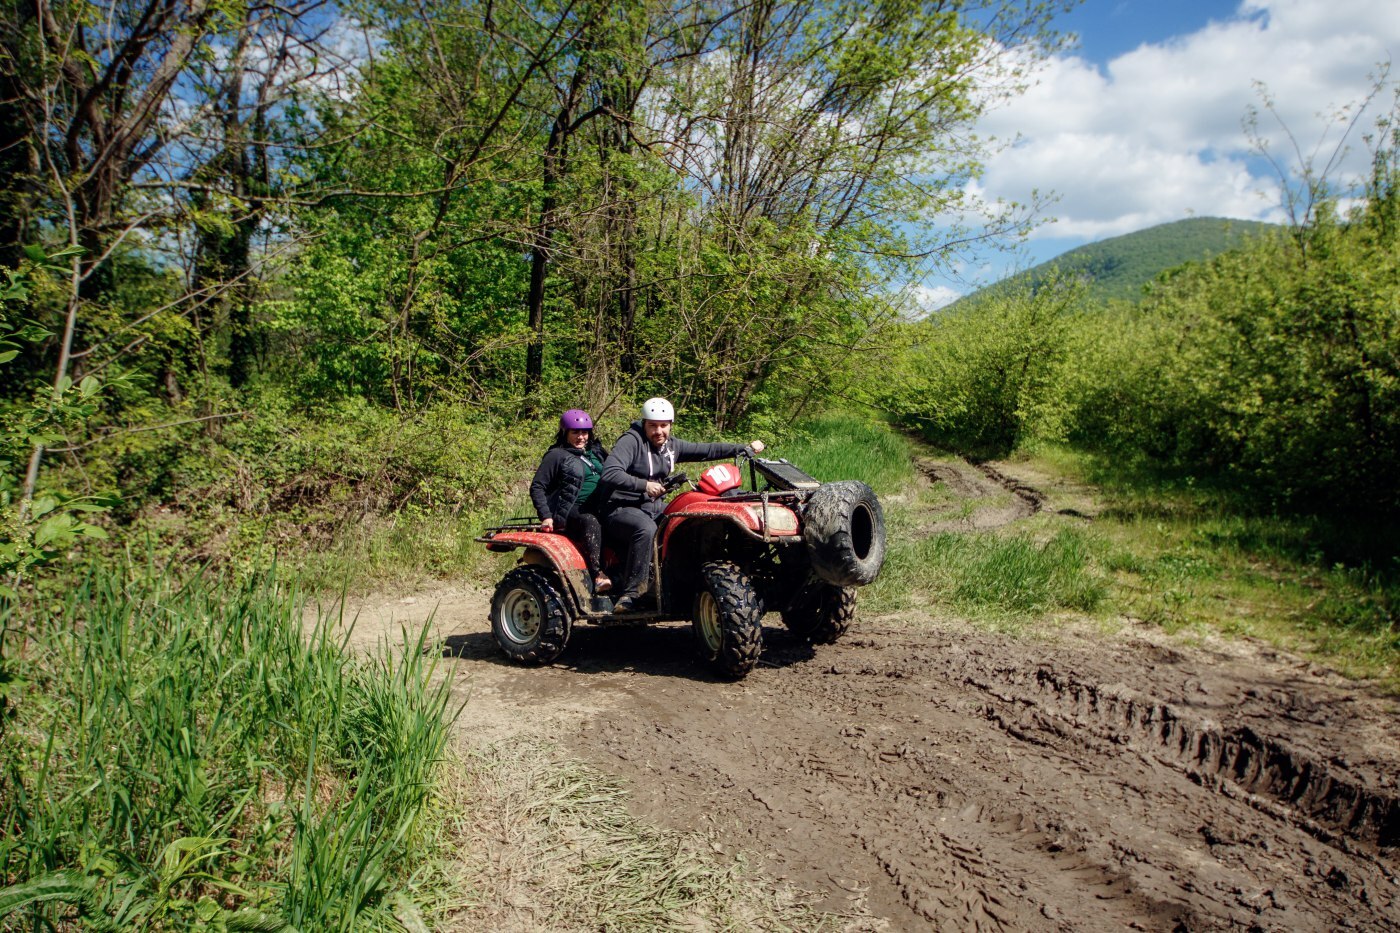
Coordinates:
[630,602]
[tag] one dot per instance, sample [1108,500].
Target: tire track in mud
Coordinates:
[974,480]
[959,781]
[1006,851]
[968,483]
[1321,801]
[1032,497]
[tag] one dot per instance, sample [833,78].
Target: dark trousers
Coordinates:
[584,529]
[633,529]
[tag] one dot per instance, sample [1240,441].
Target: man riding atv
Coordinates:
[717,555]
[640,460]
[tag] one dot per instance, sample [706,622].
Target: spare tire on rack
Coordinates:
[844,529]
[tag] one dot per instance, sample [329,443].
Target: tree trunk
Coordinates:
[539,256]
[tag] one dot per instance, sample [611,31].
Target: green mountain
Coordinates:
[1119,267]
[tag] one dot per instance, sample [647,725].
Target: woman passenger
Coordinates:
[566,490]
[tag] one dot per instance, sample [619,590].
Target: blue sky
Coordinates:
[1108,28]
[1142,122]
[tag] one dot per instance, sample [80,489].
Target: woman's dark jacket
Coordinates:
[554,490]
[634,461]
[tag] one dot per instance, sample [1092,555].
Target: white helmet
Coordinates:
[658,409]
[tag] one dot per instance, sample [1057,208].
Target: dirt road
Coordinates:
[931,776]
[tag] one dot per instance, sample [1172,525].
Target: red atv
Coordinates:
[722,556]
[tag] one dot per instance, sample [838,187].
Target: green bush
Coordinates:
[984,378]
[1273,371]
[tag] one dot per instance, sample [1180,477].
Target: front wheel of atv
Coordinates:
[726,619]
[528,616]
[822,614]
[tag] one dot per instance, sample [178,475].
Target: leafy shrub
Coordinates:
[987,377]
[1274,371]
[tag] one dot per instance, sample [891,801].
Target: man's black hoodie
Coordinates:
[634,462]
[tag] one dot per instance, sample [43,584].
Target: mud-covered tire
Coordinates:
[844,530]
[822,614]
[529,617]
[726,619]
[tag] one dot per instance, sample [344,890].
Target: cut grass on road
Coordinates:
[564,853]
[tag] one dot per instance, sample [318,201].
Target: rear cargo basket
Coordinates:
[784,475]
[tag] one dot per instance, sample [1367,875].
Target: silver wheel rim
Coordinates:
[521,613]
[707,622]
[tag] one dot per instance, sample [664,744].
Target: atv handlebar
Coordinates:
[674,480]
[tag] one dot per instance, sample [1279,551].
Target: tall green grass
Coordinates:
[839,446]
[1194,560]
[182,754]
[990,575]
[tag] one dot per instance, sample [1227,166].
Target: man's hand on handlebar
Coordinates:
[671,483]
[547,525]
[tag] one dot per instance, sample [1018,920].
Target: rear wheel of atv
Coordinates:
[726,619]
[528,616]
[844,528]
[822,614]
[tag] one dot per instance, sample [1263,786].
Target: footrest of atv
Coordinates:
[629,620]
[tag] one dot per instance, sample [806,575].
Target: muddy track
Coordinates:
[921,775]
[962,782]
[1032,497]
[984,489]
[986,480]
[1314,796]
[933,777]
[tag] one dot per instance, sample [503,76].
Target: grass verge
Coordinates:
[179,753]
[1180,559]
[994,577]
[1190,563]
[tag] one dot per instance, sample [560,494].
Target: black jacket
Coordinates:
[633,462]
[554,490]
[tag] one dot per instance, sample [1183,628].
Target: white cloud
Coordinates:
[922,300]
[1158,134]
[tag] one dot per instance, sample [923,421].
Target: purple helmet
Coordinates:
[575,419]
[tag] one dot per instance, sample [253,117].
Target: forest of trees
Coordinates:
[223,221]
[322,260]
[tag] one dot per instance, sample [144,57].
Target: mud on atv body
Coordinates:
[722,557]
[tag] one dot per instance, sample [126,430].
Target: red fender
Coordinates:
[544,547]
[782,520]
